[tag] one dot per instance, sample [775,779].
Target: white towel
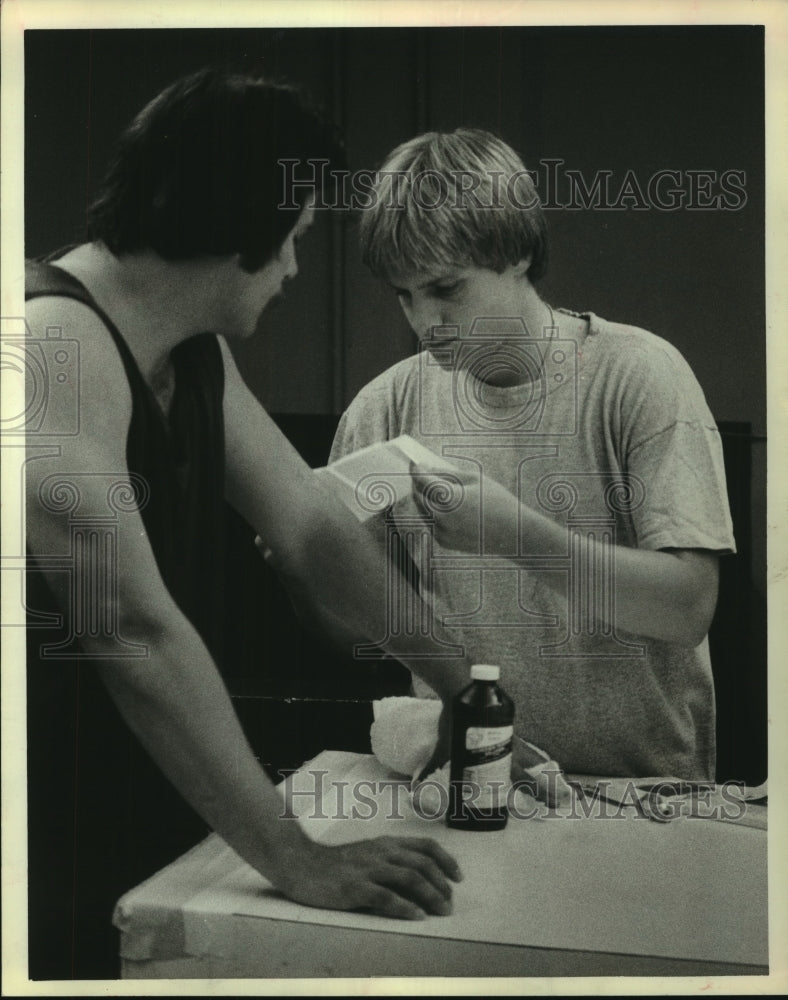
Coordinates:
[404,734]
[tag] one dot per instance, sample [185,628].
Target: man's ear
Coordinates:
[522,267]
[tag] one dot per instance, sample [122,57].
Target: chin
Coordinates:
[273,303]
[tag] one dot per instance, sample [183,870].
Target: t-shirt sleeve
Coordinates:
[674,448]
[366,421]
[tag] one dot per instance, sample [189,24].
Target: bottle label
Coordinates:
[487,767]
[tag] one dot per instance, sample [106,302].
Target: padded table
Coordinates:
[547,896]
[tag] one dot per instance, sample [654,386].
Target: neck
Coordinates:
[540,324]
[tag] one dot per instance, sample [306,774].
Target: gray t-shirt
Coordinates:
[611,437]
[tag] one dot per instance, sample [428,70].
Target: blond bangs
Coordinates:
[457,199]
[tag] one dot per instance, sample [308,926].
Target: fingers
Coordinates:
[421,482]
[423,479]
[402,878]
[387,903]
[425,472]
[452,501]
[424,475]
[418,870]
[391,891]
[417,888]
[441,857]
[430,873]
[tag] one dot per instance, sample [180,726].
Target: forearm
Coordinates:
[660,596]
[340,573]
[175,703]
[326,558]
[177,706]
[657,594]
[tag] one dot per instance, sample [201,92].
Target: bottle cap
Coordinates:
[485,672]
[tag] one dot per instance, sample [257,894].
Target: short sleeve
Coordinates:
[674,447]
[364,422]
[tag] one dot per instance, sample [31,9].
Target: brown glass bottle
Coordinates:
[481,753]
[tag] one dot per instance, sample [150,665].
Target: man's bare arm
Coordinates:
[174,699]
[329,561]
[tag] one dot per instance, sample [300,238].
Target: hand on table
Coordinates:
[402,877]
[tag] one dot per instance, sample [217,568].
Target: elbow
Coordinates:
[139,631]
[693,598]
[292,555]
[691,637]
[692,622]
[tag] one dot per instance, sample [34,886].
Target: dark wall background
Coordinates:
[599,99]
[616,99]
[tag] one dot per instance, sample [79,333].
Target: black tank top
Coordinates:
[180,458]
[101,816]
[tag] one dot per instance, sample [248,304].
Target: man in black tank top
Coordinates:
[188,243]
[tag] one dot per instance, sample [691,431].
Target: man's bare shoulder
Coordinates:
[63,311]
[74,355]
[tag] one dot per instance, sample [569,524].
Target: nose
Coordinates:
[292,266]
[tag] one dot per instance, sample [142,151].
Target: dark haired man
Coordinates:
[187,247]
